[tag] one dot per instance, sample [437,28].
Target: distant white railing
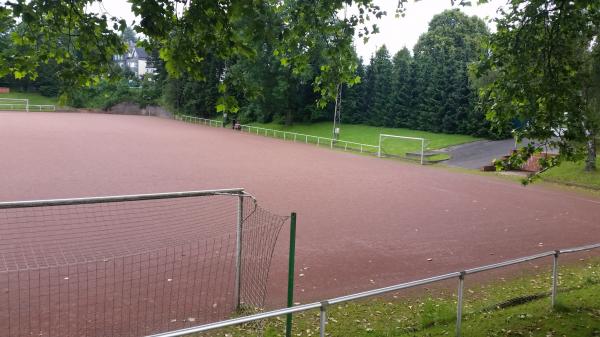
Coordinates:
[286,135]
[198,120]
[42,107]
[304,138]
[27,107]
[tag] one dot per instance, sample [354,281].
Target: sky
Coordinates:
[395,33]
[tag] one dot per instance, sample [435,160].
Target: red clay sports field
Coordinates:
[363,222]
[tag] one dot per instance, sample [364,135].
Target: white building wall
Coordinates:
[141,68]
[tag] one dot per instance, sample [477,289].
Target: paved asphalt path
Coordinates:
[363,222]
[478,154]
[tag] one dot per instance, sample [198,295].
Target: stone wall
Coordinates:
[128,108]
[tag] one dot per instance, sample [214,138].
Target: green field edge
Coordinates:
[397,151]
[511,306]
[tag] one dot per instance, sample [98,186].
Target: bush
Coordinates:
[49,90]
[106,95]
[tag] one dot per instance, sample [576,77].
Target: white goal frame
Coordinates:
[383,135]
[13,104]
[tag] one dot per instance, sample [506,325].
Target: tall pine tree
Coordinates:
[445,99]
[380,79]
[401,98]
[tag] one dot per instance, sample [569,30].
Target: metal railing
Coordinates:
[286,135]
[42,107]
[304,138]
[30,107]
[199,120]
[323,305]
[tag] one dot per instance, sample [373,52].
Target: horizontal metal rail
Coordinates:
[319,140]
[322,305]
[508,263]
[120,198]
[381,291]
[23,106]
[241,320]
[579,249]
[45,107]
[403,137]
[199,120]
[287,135]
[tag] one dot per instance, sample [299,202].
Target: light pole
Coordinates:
[337,114]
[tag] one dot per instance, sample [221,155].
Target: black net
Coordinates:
[131,268]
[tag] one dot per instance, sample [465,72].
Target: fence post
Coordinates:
[291,271]
[323,318]
[422,150]
[459,305]
[238,251]
[554,276]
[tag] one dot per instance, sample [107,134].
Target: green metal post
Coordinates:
[292,256]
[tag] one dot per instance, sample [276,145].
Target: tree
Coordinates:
[401,99]
[6,23]
[444,98]
[543,59]
[128,35]
[82,40]
[353,98]
[381,77]
[189,95]
[82,43]
[591,99]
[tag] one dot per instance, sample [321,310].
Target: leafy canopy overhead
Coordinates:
[539,76]
[62,31]
[186,31]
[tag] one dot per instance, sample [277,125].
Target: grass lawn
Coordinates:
[574,174]
[34,98]
[486,311]
[370,135]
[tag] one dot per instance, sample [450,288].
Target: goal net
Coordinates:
[132,265]
[14,104]
[412,148]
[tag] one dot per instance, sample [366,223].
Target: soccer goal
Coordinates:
[402,147]
[14,104]
[132,265]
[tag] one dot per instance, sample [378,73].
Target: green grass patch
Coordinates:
[365,134]
[34,98]
[569,173]
[488,310]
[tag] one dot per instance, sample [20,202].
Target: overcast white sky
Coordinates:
[395,33]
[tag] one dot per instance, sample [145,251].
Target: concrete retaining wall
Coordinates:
[128,108]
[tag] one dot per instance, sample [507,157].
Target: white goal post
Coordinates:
[12,102]
[382,136]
